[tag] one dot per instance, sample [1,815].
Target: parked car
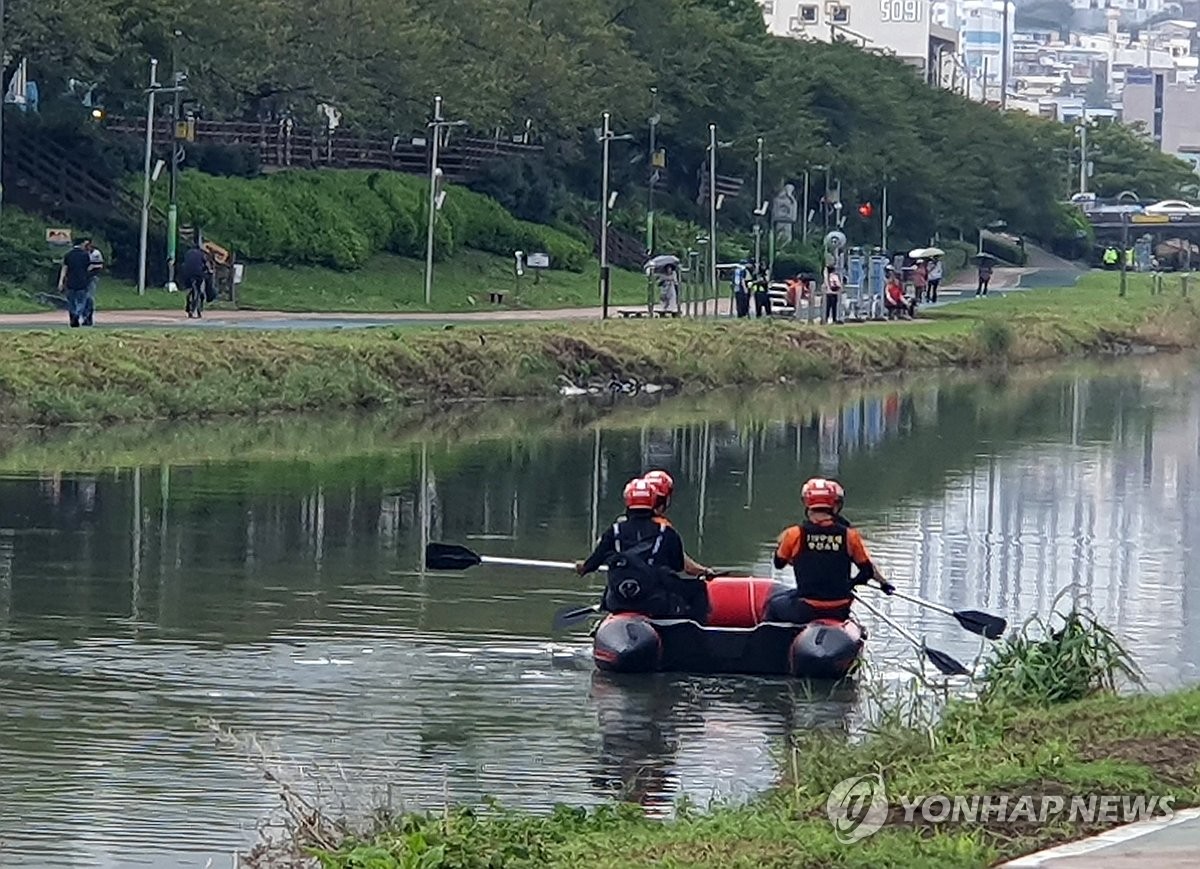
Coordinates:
[1172,206]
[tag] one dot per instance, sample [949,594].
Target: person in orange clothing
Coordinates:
[664,486]
[822,552]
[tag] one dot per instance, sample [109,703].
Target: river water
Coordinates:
[265,579]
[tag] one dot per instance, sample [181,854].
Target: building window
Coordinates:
[839,14]
[768,7]
[808,14]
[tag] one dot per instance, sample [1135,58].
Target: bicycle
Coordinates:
[195,297]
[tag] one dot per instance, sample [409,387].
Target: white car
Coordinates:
[1172,206]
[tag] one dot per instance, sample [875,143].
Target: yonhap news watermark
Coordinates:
[859,807]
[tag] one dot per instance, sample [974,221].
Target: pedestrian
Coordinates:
[935,278]
[95,267]
[73,280]
[741,289]
[894,300]
[762,292]
[985,277]
[833,295]
[920,281]
[668,290]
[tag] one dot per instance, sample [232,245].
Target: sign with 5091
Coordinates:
[900,10]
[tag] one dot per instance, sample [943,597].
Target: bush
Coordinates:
[25,258]
[1007,251]
[339,218]
[1071,235]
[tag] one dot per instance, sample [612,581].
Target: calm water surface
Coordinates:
[267,578]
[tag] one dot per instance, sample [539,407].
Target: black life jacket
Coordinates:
[823,565]
[635,582]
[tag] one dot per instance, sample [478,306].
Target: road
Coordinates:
[1043,271]
[1162,844]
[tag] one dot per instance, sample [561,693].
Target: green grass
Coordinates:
[386,284]
[58,375]
[1027,744]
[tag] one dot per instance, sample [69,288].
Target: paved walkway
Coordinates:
[1051,272]
[1172,844]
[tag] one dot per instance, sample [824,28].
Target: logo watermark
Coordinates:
[858,807]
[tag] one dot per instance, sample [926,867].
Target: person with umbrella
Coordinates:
[667,268]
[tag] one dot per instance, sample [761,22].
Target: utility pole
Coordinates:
[884,220]
[804,215]
[145,232]
[826,199]
[1083,156]
[653,171]
[606,139]
[435,194]
[758,201]
[1004,60]
[436,133]
[3,63]
[177,79]
[712,207]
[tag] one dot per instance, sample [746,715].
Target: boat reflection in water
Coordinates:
[666,734]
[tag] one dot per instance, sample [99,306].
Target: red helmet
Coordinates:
[640,495]
[821,494]
[662,483]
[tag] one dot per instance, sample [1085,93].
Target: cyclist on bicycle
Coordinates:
[194,274]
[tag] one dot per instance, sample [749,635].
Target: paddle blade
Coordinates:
[985,624]
[569,616]
[449,556]
[947,665]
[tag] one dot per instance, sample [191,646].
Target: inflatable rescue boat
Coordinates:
[733,639]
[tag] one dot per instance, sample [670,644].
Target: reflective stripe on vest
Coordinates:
[662,530]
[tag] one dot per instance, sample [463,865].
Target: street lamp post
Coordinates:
[712,210]
[758,201]
[654,119]
[435,174]
[3,36]
[884,220]
[1083,159]
[606,138]
[151,91]
[177,80]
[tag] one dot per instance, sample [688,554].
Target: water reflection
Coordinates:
[269,576]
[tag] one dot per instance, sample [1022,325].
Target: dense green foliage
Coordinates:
[950,165]
[340,218]
[24,256]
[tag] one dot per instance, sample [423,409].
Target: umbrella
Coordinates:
[661,262]
[983,256]
[926,253]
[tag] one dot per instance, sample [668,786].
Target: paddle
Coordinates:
[947,665]
[451,556]
[568,616]
[981,623]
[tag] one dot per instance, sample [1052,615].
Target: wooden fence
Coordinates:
[285,144]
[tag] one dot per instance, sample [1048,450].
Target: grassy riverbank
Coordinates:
[1063,733]
[61,376]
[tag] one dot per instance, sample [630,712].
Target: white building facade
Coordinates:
[983,45]
[904,28]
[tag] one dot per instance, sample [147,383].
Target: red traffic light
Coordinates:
[866,209]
